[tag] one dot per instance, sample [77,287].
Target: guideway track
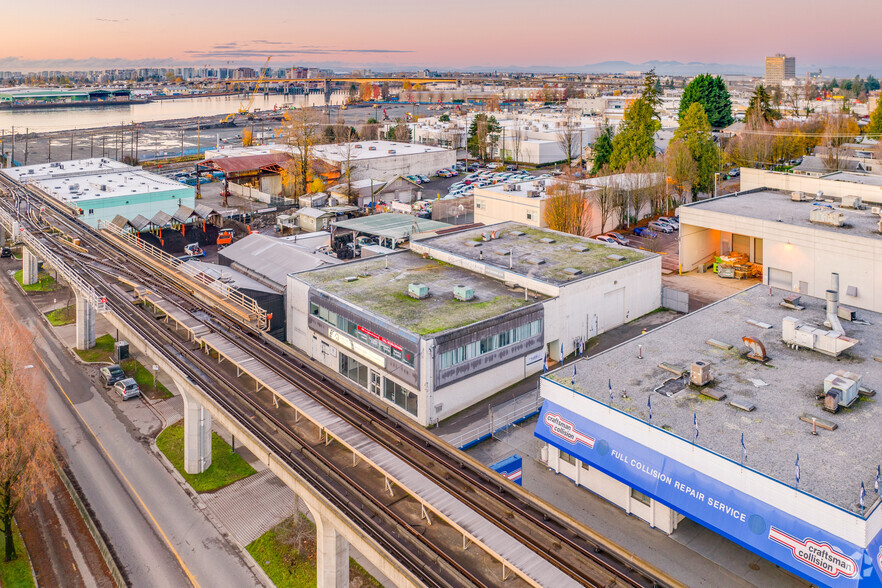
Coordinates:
[587,560]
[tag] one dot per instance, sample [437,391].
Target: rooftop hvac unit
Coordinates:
[699,373]
[798,196]
[825,216]
[392,152]
[418,291]
[840,389]
[463,293]
[851,202]
[532,193]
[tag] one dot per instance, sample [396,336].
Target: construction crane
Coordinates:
[243,108]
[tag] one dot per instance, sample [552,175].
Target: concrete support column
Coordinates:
[28,267]
[332,555]
[85,323]
[197,435]
[2,235]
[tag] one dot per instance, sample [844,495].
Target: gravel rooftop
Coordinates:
[382,290]
[520,252]
[833,463]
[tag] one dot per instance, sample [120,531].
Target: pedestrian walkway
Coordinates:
[170,410]
[252,506]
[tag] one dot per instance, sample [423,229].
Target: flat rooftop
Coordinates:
[541,254]
[391,225]
[107,185]
[866,179]
[775,206]
[363,150]
[64,169]
[833,464]
[521,189]
[381,288]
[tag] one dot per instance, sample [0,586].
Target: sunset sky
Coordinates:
[450,33]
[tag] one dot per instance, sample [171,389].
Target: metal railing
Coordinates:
[97,300]
[224,291]
[499,418]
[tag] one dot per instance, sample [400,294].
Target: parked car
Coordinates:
[6,252]
[663,227]
[645,232]
[605,239]
[734,172]
[127,388]
[423,179]
[674,222]
[618,238]
[112,374]
[511,168]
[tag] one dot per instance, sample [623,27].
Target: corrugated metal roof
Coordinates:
[139,222]
[391,225]
[161,219]
[119,221]
[183,214]
[272,259]
[247,162]
[204,211]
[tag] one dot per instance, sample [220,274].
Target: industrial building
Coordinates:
[385,160]
[35,97]
[831,185]
[798,239]
[753,417]
[463,315]
[97,190]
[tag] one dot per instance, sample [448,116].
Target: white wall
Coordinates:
[426,163]
[810,254]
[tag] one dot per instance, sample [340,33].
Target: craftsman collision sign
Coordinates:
[789,541]
[567,431]
[379,338]
[821,556]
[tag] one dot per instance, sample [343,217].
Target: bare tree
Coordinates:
[301,131]
[567,209]
[346,144]
[681,170]
[605,197]
[839,130]
[401,132]
[25,438]
[568,137]
[516,136]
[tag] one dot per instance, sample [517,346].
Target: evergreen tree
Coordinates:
[652,91]
[695,132]
[761,102]
[635,140]
[603,148]
[711,92]
[483,134]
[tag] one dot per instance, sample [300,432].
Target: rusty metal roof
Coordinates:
[247,162]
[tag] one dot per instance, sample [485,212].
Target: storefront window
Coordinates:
[347,326]
[640,497]
[354,370]
[566,457]
[400,396]
[488,344]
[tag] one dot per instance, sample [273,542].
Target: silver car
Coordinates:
[127,388]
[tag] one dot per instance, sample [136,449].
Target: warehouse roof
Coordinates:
[390,225]
[65,169]
[361,150]
[784,389]
[243,163]
[545,255]
[271,260]
[778,207]
[380,285]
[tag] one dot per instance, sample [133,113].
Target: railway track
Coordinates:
[589,561]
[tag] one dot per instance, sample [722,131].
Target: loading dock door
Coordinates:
[780,279]
[613,309]
[741,244]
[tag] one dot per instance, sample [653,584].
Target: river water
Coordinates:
[62,119]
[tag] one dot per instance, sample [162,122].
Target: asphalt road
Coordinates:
[160,536]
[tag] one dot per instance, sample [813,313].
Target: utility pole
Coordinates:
[27,136]
[50,149]
[12,155]
[91,145]
[103,146]
[71,144]
[182,141]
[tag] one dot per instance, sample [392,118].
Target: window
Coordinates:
[349,327]
[479,204]
[400,396]
[531,215]
[91,211]
[566,457]
[640,497]
[354,370]
[585,466]
[488,344]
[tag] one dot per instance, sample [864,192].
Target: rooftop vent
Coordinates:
[392,152]
[418,291]
[473,244]
[372,148]
[546,240]
[534,261]
[517,233]
[840,389]
[616,257]
[755,349]
[572,271]
[798,196]
[699,373]
[463,293]
[350,278]
[579,248]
